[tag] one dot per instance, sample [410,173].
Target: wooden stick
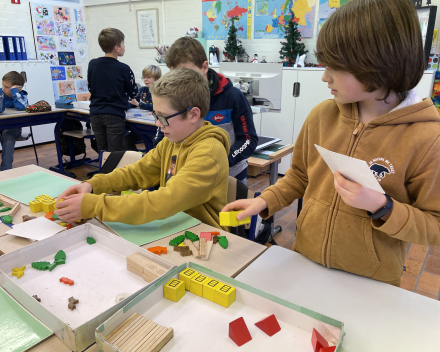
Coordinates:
[202,247]
[209,245]
[119,330]
[192,248]
[15,209]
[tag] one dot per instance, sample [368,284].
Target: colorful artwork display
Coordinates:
[80,30]
[82,52]
[67,58]
[79,15]
[45,27]
[82,86]
[61,14]
[58,73]
[42,12]
[63,29]
[46,43]
[66,43]
[67,87]
[68,98]
[51,56]
[83,97]
[74,72]
[55,90]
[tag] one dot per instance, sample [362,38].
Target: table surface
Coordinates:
[275,156]
[9,113]
[231,261]
[377,316]
[145,119]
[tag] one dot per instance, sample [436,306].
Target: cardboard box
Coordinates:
[199,324]
[99,272]
[255,171]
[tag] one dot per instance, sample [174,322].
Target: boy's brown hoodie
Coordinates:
[402,149]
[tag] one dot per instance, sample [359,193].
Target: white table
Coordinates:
[377,316]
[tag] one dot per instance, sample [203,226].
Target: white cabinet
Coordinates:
[39,87]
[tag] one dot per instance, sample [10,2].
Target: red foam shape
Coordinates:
[328,349]
[66,281]
[269,325]
[318,341]
[207,235]
[238,332]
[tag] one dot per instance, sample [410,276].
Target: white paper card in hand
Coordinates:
[36,229]
[352,169]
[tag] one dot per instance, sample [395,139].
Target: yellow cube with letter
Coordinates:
[174,290]
[197,284]
[36,206]
[209,288]
[186,276]
[225,295]
[230,219]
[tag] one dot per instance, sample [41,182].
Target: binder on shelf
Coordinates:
[23,48]
[2,50]
[17,48]
[8,43]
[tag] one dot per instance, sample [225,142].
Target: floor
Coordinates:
[422,264]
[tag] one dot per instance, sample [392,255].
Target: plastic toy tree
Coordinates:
[291,45]
[232,48]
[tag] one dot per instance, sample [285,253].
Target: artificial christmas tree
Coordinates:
[291,47]
[232,48]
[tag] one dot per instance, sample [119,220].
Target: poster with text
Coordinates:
[45,27]
[61,14]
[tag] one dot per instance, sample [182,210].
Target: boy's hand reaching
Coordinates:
[250,206]
[69,209]
[357,196]
[134,102]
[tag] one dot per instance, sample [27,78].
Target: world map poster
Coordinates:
[271,17]
[326,8]
[217,18]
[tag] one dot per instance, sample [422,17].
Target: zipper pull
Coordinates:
[358,127]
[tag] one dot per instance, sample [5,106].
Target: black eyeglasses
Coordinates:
[164,120]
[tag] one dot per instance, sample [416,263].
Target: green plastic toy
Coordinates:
[2,210]
[40,265]
[191,236]
[7,219]
[177,240]
[223,241]
[91,240]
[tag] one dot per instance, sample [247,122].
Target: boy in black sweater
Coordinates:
[110,83]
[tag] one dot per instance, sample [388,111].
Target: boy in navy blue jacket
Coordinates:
[11,96]
[229,109]
[110,82]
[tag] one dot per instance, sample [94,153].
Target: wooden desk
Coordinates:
[272,161]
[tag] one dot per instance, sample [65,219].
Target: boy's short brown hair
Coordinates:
[152,71]
[110,37]
[183,88]
[378,41]
[15,78]
[184,50]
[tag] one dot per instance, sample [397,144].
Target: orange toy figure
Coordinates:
[158,250]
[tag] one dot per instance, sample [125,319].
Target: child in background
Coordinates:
[375,116]
[12,95]
[110,82]
[190,165]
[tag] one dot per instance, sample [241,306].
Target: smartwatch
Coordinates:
[384,210]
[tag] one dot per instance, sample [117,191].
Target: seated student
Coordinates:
[190,165]
[11,96]
[375,116]
[150,74]
[229,109]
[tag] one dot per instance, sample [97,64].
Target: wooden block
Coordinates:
[122,327]
[328,349]
[209,288]
[14,209]
[225,295]
[127,333]
[36,206]
[154,270]
[174,290]
[134,270]
[180,248]
[158,250]
[186,276]
[48,206]
[238,332]
[206,235]
[162,341]
[138,261]
[192,248]
[208,250]
[269,325]
[197,284]
[202,247]
[230,219]
[137,336]
[150,335]
[318,341]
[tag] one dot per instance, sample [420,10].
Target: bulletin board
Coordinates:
[148,28]
[61,38]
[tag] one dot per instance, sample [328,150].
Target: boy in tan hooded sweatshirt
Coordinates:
[373,54]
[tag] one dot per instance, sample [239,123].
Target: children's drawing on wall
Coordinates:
[82,86]
[61,14]
[58,73]
[46,43]
[51,56]
[55,90]
[83,97]
[64,29]
[68,98]
[67,87]
[81,36]
[67,58]
[45,27]
[79,15]
[66,43]
[42,12]
[81,50]
[74,72]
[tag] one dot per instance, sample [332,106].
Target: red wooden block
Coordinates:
[318,341]
[207,235]
[238,332]
[269,325]
[328,349]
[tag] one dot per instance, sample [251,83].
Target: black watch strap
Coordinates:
[384,210]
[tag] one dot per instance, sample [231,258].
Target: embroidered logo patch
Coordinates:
[380,167]
[218,117]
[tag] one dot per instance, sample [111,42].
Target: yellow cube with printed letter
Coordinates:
[225,295]
[209,288]
[186,276]
[48,206]
[230,219]
[197,284]
[174,290]
[36,206]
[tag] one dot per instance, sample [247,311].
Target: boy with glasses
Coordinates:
[190,165]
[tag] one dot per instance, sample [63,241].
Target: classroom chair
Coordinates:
[108,161]
[238,190]
[24,137]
